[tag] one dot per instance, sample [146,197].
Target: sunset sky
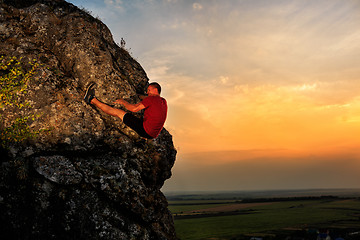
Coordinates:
[262,94]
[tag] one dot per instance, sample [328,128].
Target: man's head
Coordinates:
[154,89]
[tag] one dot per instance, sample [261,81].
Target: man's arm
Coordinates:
[130,107]
[142,97]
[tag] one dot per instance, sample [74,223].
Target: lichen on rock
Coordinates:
[83,175]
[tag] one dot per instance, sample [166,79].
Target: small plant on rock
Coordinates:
[14,79]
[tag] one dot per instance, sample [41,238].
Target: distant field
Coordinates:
[179,207]
[228,219]
[228,207]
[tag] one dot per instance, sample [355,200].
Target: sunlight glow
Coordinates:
[247,80]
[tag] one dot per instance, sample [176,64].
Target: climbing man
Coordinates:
[150,125]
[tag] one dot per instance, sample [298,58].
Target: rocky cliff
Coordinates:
[67,170]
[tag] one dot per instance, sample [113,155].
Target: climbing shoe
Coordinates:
[90,93]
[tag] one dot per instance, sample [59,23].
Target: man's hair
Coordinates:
[156,85]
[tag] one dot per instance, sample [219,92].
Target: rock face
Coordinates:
[69,171]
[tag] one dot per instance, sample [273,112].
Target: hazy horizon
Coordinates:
[262,94]
[262,170]
[271,192]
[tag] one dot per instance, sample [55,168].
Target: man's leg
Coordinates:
[108,110]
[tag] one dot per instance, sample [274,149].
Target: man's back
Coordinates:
[154,115]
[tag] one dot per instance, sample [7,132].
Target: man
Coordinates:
[154,115]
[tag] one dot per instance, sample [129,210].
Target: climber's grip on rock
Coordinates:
[148,126]
[130,107]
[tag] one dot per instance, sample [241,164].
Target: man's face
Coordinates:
[151,90]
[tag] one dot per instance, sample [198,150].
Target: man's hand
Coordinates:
[121,101]
[131,107]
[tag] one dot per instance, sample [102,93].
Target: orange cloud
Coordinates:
[264,117]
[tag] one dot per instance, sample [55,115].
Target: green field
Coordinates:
[214,220]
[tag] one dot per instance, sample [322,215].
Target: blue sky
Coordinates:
[253,86]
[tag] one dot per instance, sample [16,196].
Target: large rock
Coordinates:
[69,171]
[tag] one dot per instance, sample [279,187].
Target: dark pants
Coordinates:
[136,124]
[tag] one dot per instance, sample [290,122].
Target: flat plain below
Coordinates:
[268,219]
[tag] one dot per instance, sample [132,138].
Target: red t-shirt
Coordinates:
[154,114]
